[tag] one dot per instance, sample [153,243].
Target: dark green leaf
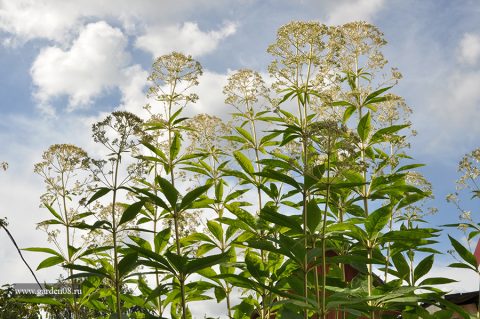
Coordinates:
[168,190]
[127,264]
[102,191]
[131,212]
[423,267]
[464,253]
[204,262]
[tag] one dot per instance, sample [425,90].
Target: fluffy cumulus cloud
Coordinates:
[448,121]
[58,20]
[183,38]
[352,10]
[469,49]
[96,61]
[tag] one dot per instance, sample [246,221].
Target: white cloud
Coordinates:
[187,38]
[97,61]
[449,121]
[469,48]
[58,20]
[352,10]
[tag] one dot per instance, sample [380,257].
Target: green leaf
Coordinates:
[216,229]
[219,190]
[43,250]
[314,216]
[379,135]
[156,150]
[255,266]
[127,264]
[270,215]
[364,127]
[402,266]
[423,267]
[39,300]
[377,220]
[348,112]
[408,167]
[246,135]
[461,265]
[131,212]
[204,262]
[219,294]
[191,196]
[464,253]
[102,191]
[244,162]
[281,177]
[234,138]
[372,95]
[168,190]
[161,239]
[436,281]
[89,270]
[54,213]
[175,147]
[161,261]
[50,261]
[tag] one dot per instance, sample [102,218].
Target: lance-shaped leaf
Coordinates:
[377,220]
[314,216]
[464,253]
[161,262]
[156,151]
[168,190]
[244,162]
[43,250]
[50,261]
[175,147]
[197,264]
[401,264]
[102,191]
[371,96]
[190,197]
[281,177]
[88,271]
[54,213]
[379,136]
[127,264]
[161,239]
[246,135]
[423,267]
[131,212]
[216,229]
[41,300]
[255,266]
[364,127]
[269,214]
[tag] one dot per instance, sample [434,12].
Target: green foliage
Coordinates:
[300,199]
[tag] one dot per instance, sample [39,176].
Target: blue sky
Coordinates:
[64,64]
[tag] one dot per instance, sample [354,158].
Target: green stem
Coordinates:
[114,235]
[181,277]
[324,240]
[69,243]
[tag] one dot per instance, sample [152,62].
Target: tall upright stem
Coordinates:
[181,277]
[114,235]
[324,240]
[69,243]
